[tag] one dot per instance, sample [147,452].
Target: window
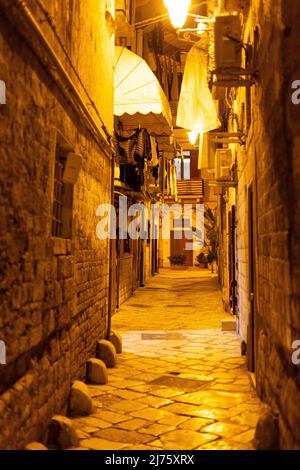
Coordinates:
[62,198]
[178,162]
[183,166]
[187,169]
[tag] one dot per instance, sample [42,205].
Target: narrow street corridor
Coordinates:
[150,235]
[180,382]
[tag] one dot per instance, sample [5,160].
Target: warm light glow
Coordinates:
[178,11]
[201,28]
[193,135]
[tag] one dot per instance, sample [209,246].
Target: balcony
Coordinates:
[193,188]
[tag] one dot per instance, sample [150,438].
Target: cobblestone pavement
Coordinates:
[180,382]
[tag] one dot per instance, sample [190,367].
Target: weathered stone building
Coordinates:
[56,61]
[267,211]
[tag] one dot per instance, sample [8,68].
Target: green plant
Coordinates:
[211,229]
[179,260]
[202,258]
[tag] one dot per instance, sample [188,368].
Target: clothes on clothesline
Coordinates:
[137,153]
[154,150]
[134,148]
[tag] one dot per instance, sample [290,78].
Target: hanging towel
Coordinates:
[154,150]
[196,108]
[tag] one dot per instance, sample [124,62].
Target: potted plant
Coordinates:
[177,261]
[202,260]
[211,258]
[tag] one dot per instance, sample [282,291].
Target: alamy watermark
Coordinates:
[159,221]
[2,92]
[296,93]
[296,353]
[2,353]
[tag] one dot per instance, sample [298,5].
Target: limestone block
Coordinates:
[116,340]
[62,433]
[267,432]
[96,372]
[80,403]
[35,446]
[107,353]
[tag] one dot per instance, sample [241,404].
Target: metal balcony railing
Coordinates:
[190,188]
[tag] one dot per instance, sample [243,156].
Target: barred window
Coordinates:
[62,198]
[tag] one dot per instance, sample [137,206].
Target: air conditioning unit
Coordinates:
[228,47]
[223,163]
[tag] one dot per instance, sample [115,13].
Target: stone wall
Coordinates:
[126,282]
[272,162]
[53,291]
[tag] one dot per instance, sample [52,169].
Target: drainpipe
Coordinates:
[111,252]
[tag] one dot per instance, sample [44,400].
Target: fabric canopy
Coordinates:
[139,99]
[196,108]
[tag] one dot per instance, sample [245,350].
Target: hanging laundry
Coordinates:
[155,173]
[196,108]
[126,148]
[143,147]
[154,150]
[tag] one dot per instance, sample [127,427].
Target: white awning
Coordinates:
[139,99]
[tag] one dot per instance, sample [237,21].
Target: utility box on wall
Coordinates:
[228,47]
[223,162]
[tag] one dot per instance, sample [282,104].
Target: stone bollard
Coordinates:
[107,353]
[96,372]
[62,433]
[35,446]
[267,432]
[80,402]
[116,340]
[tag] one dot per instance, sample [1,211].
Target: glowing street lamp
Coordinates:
[178,11]
[193,136]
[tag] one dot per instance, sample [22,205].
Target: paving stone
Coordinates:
[213,398]
[94,423]
[90,429]
[112,417]
[247,419]
[133,424]
[194,424]
[121,435]
[224,429]
[96,372]
[128,405]
[200,352]
[96,443]
[157,429]
[191,410]
[246,436]
[128,394]
[173,420]
[151,414]
[156,402]
[183,439]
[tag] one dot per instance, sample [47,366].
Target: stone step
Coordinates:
[229,324]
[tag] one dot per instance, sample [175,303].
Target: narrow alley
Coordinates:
[149,227]
[180,381]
